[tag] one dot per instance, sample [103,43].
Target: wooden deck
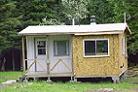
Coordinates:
[44,74]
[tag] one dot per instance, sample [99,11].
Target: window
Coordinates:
[96,47]
[41,47]
[61,48]
[124,46]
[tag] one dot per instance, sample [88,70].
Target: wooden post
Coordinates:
[125,20]
[48,72]
[47,61]
[73,71]
[13,61]
[23,54]
[3,64]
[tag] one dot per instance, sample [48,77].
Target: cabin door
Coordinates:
[41,53]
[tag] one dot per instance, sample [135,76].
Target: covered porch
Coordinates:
[47,56]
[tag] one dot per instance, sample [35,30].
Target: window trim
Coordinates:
[46,42]
[124,46]
[68,49]
[97,39]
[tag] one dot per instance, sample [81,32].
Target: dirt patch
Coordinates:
[112,90]
[2,86]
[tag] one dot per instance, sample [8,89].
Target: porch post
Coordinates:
[48,61]
[23,54]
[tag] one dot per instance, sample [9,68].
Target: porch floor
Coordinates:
[44,74]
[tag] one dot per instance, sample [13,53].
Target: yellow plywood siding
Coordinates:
[123,63]
[96,66]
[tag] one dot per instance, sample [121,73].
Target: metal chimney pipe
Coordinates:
[92,20]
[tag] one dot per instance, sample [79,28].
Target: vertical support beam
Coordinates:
[3,64]
[35,56]
[48,72]
[47,60]
[13,61]
[71,45]
[23,54]
[73,77]
[125,17]
[115,79]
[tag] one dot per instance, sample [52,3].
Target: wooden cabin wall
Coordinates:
[123,62]
[58,62]
[96,66]
[30,52]
[60,67]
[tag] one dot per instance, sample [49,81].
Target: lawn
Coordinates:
[4,76]
[129,85]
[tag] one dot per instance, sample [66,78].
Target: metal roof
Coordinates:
[76,29]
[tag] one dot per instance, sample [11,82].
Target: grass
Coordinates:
[42,86]
[4,76]
[66,87]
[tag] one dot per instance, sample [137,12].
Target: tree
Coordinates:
[75,9]
[102,9]
[119,8]
[8,24]
[132,11]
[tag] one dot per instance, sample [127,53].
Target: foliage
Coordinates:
[75,9]
[8,24]
[17,14]
[42,86]
[102,9]
[46,21]
[118,8]
[132,11]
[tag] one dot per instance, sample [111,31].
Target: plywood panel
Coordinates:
[123,63]
[30,52]
[96,66]
[67,60]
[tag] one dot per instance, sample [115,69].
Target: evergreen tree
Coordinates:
[9,22]
[102,9]
[132,12]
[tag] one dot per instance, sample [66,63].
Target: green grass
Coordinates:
[128,85]
[4,76]
[66,87]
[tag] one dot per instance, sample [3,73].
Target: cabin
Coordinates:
[75,51]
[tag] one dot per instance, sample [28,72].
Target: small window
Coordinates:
[95,47]
[61,48]
[124,46]
[41,47]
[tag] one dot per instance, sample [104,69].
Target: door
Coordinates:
[41,54]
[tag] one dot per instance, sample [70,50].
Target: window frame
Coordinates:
[67,49]
[100,39]
[41,39]
[124,46]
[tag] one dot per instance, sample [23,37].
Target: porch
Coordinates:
[47,56]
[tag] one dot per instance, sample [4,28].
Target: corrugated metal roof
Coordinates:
[75,29]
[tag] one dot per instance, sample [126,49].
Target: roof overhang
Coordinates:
[98,29]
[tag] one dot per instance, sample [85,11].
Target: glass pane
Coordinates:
[41,46]
[102,47]
[61,48]
[89,47]
[123,46]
